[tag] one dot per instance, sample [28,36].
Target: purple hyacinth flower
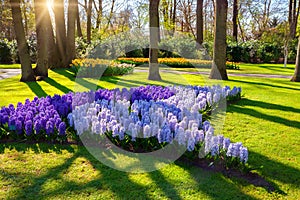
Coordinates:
[37,126]
[243,154]
[28,127]
[19,127]
[62,128]
[49,128]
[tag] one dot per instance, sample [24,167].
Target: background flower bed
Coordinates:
[177,62]
[161,114]
[99,67]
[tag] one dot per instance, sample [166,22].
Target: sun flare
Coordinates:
[49,4]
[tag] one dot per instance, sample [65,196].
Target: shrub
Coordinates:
[81,47]
[268,52]
[5,53]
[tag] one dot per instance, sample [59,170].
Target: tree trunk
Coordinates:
[174,17]
[71,32]
[25,17]
[79,31]
[293,17]
[296,76]
[60,31]
[99,14]
[234,20]
[89,22]
[27,72]
[154,37]
[218,70]
[199,13]
[53,60]
[42,38]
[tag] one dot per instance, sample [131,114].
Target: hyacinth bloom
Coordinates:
[62,128]
[165,113]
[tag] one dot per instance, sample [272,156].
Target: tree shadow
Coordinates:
[273,170]
[260,115]
[251,102]
[66,73]
[80,81]
[36,89]
[133,83]
[115,181]
[57,85]
[277,68]
[263,84]
[215,185]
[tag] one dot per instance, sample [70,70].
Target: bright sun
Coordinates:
[49,4]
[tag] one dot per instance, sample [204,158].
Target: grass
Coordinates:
[277,69]
[245,68]
[267,121]
[10,66]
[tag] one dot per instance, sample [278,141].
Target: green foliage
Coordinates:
[9,50]
[254,52]
[5,54]
[81,46]
[269,52]
[234,52]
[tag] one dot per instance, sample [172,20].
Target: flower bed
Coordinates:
[99,67]
[170,62]
[145,119]
[178,62]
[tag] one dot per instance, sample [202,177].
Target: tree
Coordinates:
[154,37]
[89,21]
[79,31]
[296,76]
[70,50]
[26,69]
[53,60]
[234,20]
[42,38]
[293,17]
[218,70]
[60,29]
[99,14]
[199,28]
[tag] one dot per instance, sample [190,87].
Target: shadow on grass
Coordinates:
[115,181]
[214,185]
[111,79]
[132,83]
[277,68]
[249,111]
[66,73]
[264,84]
[36,89]
[80,81]
[251,102]
[57,85]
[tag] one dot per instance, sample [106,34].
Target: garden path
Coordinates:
[7,73]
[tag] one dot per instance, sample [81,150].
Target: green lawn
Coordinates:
[10,66]
[265,69]
[245,68]
[266,120]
